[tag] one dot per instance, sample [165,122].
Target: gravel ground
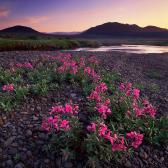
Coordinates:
[22,143]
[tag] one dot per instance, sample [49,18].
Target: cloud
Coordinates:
[4,12]
[26,21]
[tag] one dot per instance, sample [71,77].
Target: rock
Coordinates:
[68,165]
[1,150]
[73,95]
[9,163]
[128,164]
[12,151]
[38,108]
[14,145]
[35,118]
[161,159]
[58,162]
[9,141]
[19,165]
[143,155]
[29,133]
[46,161]
[43,136]
[29,153]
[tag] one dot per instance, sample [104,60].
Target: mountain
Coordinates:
[19,30]
[125,30]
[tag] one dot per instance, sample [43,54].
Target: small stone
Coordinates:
[35,118]
[128,164]
[19,165]
[68,165]
[12,151]
[9,163]
[39,108]
[29,133]
[73,95]
[46,161]
[43,136]
[161,159]
[144,155]
[14,145]
[10,140]
[24,113]
[29,154]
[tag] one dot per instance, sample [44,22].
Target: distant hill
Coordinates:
[124,30]
[65,33]
[19,30]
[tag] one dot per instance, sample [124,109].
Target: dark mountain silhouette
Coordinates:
[125,30]
[19,30]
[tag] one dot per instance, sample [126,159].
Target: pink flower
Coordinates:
[65,125]
[122,86]
[94,96]
[50,120]
[91,127]
[25,65]
[74,70]
[82,62]
[102,130]
[103,110]
[102,87]
[136,93]
[28,65]
[68,108]
[87,70]
[136,138]
[107,102]
[8,87]
[57,109]
[150,110]
[119,147]
[45,126]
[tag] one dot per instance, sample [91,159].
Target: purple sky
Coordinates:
[78,15]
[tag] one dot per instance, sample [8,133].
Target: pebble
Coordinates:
[35,118]
[9,140]
[128,164]
[9,163]
[12,151]
[143,155]
[19,165]
[73,95]
[68,165]
[29,133]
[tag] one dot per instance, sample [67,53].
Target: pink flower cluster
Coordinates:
[134,95]
[57,119]
[9,87]
[92,59]
[91,73]
[117,142]
[102,104]
[146,109]
[136,138]
[68,64]
[26,65]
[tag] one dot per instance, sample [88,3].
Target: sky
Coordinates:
[79,15]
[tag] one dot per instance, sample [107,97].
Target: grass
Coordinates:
[131,41]
[153,74]
[43,43]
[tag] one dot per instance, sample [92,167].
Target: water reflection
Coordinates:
[139,49]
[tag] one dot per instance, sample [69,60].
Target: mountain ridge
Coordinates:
[119,29]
